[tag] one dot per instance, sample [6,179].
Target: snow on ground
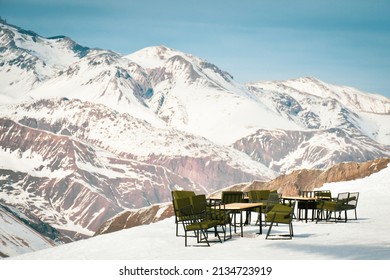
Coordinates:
[356,248]
[367,238]
[13,236]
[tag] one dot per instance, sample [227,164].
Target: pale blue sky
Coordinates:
[340,42]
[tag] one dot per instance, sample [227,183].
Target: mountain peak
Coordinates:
[154,56]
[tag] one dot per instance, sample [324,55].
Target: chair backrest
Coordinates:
[272,200]
[258,195]
[182,194]
[199,203]
[353,199]
[179,195]
[342,198]
[280,213]
[306,193]
[232,197]
[323,194]
[183,208]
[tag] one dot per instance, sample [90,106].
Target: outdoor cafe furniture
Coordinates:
[305,203]
[240,207]
[233,197]
[199,205]
[258,196]
[192,213]
[280,214]
[175,195]
[344,202]
[352,202]
[308,201]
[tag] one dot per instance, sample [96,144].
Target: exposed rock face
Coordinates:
[67,183]
[304,179]
[284,151]
[133,218]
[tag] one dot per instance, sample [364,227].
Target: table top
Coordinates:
[299,198]
[243,205]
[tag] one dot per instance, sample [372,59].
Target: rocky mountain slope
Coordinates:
[308,180]
[138,217]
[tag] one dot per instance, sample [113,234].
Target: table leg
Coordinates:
[260,221]
[241,225]
[306,210]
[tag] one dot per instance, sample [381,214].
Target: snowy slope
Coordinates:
[313,104]
[27,60]
[352,98]
[17,238]
[364,239]
[105,78]
[123,134]
[196,96]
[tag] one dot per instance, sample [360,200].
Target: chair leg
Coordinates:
[269,229]
[199,236]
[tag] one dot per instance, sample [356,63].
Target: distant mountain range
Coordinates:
[86,133]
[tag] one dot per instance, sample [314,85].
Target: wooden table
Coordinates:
[302,199]
[243,207]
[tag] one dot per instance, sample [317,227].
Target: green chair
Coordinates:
[273,199]
[258,196]
[193,216]
[232,197]
[212,211]
[175,195]
[352,203]
[337,206]
[321,196]
[280,214]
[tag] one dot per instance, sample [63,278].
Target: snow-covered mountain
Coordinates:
[196,96]
[313,104]
[27,59]
[86,134]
